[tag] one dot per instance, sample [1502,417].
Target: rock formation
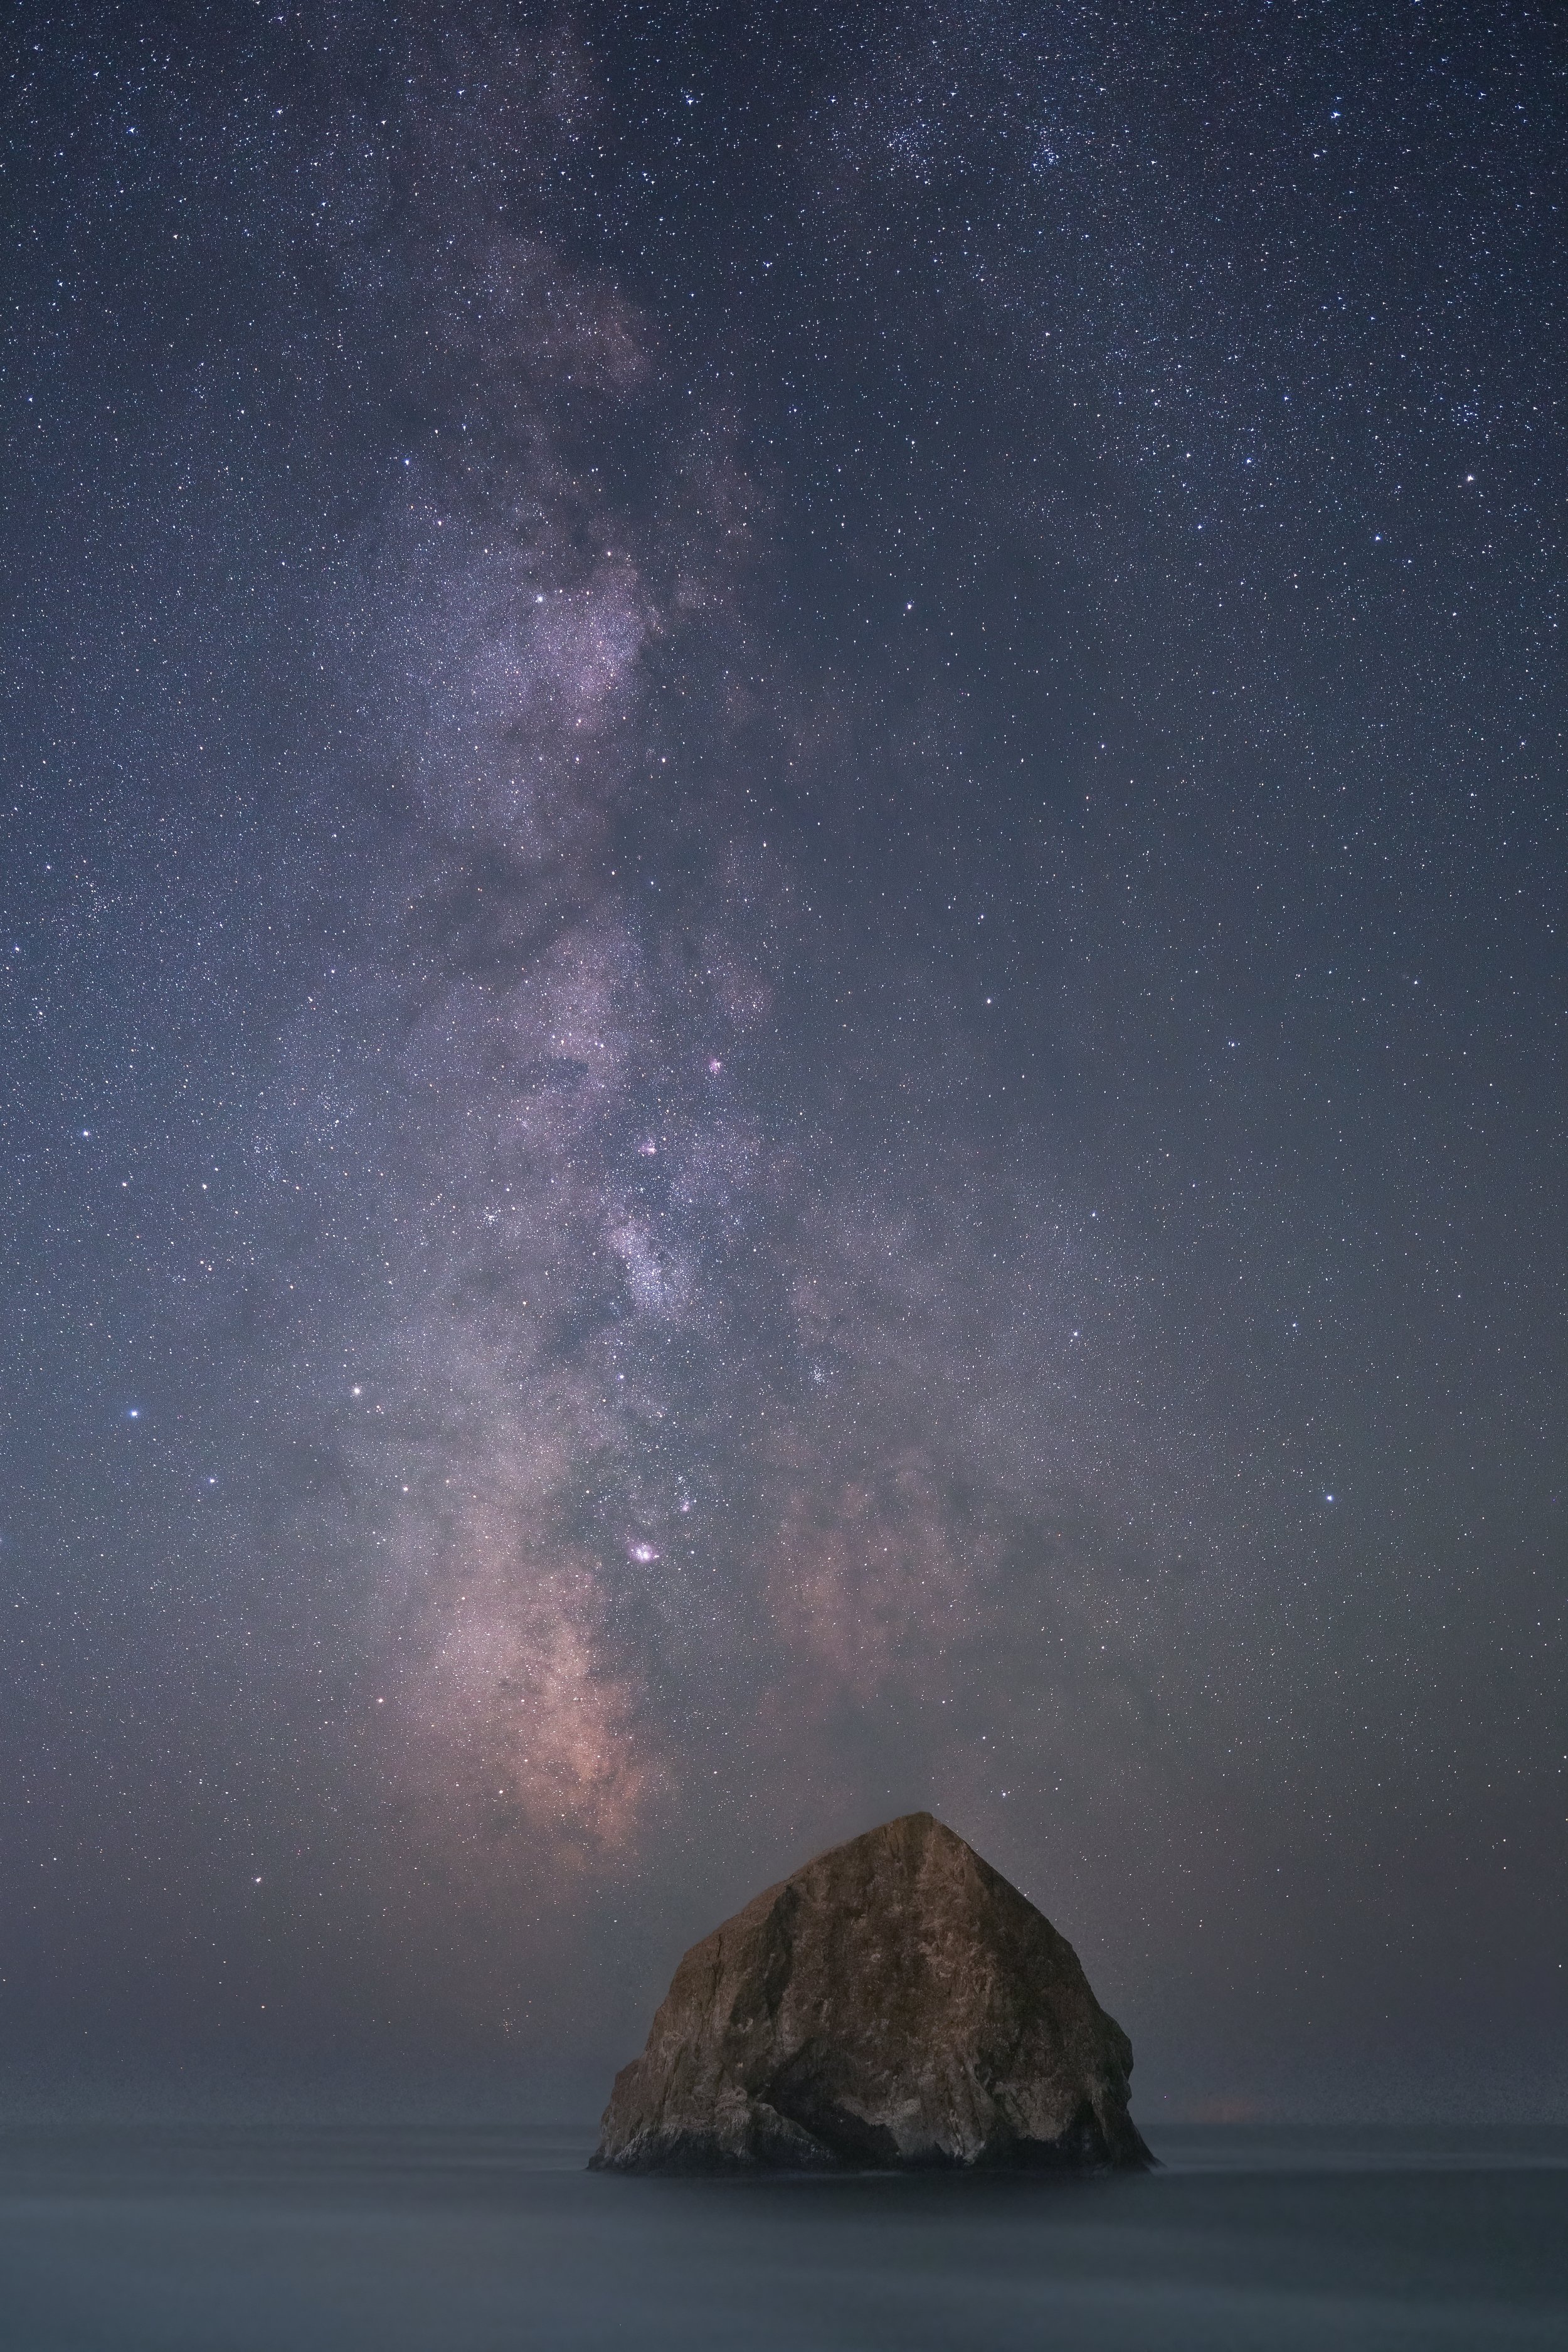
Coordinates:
[896,2004]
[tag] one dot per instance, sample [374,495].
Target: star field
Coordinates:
[783,964]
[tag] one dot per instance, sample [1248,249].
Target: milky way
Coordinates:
[653,1428]
[785,864]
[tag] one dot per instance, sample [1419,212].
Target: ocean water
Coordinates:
[489,2239]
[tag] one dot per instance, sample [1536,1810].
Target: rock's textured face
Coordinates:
[894,2003]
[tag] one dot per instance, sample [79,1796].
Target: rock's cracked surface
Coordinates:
[896,2002]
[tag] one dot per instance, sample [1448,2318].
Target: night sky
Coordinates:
[782,901]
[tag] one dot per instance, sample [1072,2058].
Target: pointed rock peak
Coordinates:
[894,2003]
[918,1826]
[904,1829]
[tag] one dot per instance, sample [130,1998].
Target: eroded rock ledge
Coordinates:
[895,2003]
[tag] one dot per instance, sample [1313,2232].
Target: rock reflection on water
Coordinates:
[427,2240]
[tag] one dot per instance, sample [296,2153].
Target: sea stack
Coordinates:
[894,2004]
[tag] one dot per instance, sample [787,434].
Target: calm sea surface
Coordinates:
[187,2239]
